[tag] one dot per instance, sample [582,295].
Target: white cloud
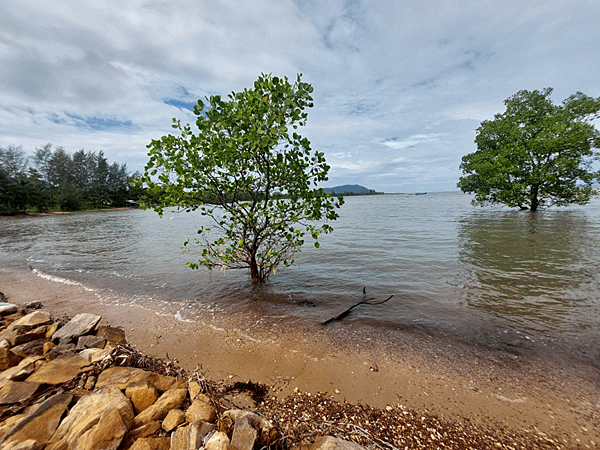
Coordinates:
[400,87]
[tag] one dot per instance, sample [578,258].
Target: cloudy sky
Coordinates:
[400,86]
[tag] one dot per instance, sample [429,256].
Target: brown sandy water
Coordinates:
[483,383]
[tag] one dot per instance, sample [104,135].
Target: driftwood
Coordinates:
[364,301]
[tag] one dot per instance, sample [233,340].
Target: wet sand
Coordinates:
[457,381]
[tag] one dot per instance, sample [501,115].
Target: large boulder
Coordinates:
[59,370]
[79,325]
[124,376]
[244,420]
[40,424]
[98,420]
[17,391]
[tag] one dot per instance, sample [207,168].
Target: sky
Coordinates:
[399,86]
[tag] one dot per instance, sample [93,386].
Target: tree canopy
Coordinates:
[535,153]
[248,170]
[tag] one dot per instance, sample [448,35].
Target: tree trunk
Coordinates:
[534,198]
[254,272]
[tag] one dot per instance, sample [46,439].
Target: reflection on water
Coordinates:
[534,266]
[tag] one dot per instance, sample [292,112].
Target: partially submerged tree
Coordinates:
[535,153]
[250,172]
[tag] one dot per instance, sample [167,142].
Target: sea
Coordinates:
[490,277]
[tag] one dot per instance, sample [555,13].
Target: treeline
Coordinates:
[53,179]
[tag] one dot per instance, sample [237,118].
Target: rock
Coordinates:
[169,400]
[17,391]
[10,422]
[29,444]
[123,376]
[90,342]
[142,394]
[102,417]
[48,345]
[218,441]
[90,383]
[107,434]
[114,336]
[30,348]
[95,354]
[200,410]
[31,321]
[36,333]
[19,372]
[332,443]
[194,389]
[192,436]
[51,330]
[267,433]
[174,418]
[81,324]
[244,435]
[145,430]
[7,308]
[8,359]
[60,349]
[41,423]
[4,343]
[59,370]
[159,443]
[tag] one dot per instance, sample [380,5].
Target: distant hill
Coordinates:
[355,189]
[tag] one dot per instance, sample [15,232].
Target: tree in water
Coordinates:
[248,170]
[535,153]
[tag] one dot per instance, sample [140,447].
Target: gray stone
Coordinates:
[267,433]
[30,348]
[60,349]
[191,437]
[90,342]
[244,435]
[7,308]
[41,423]
[80,324]
[17,391]
[114,336]
[36,333]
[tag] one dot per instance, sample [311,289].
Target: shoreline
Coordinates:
[38,214]
[456,383]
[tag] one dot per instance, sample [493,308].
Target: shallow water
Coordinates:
[473,274]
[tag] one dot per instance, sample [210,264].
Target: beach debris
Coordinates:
[364,301]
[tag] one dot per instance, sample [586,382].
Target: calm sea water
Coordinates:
[453,269]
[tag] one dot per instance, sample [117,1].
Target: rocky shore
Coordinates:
[75,383]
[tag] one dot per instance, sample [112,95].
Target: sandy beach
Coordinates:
[424,373]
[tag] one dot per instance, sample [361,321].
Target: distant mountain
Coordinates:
[356,189]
